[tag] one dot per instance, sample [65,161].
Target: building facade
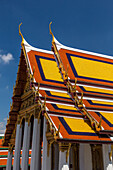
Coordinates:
[61,110]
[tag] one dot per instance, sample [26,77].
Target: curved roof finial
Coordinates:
[51,31]
[21,34]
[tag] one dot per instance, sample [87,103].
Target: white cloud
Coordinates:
[3,126]
[6,58]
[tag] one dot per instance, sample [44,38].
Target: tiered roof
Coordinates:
[74,88]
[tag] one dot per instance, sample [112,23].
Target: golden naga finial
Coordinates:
[21,34]
[51,31]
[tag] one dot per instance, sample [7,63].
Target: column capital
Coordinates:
[18,119]
[26,117]
[65,147]
[11,146]
[37,112]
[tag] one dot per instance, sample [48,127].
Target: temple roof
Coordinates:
[60,106]
[75,87]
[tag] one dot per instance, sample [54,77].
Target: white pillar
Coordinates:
[85,157]
[16,165]
[25,149]
[63,165]
[46,160]
[35,156]
[107,162]
[9,159]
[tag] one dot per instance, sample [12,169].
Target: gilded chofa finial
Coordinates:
[21,34]
[51,31]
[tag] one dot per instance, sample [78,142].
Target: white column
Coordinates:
[85,157]
[9,159]
[16,165]
[35,156]
[46,160]
[25,149]
[107,162]
[63,165]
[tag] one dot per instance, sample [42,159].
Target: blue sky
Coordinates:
[83,24]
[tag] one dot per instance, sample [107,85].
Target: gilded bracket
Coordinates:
[65,147]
